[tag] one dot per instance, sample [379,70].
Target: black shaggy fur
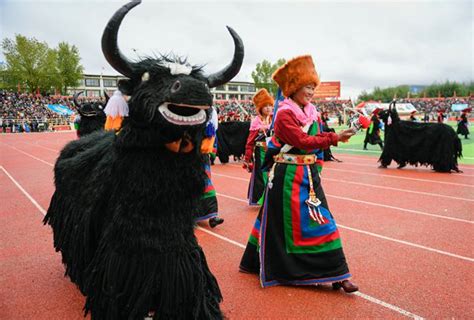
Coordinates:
[426,144]
[231,139]
[124,206]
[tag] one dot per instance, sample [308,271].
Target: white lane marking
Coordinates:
[399,177]
[397,189]
[382,237]
[30,155]
[369,157]
[40,146]
[235,243]
[388,305]
[355,150]
[33,201]
[400,209]
[408,243]
[368,185]
[370,203]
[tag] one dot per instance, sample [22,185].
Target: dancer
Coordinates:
[295,240]
[372,135]
[256,146]
[209,207]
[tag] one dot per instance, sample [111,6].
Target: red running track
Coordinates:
[407,236]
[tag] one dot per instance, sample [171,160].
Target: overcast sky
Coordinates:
[360,43]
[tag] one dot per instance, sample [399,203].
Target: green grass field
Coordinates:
[356,143]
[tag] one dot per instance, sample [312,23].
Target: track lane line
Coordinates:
[388,176]
[375,204]
[376,235]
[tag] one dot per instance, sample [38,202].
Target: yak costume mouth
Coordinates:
[183,114]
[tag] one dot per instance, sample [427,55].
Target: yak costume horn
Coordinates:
[120,63]
[74,98]
[106,97]
[230,71]
[109,41]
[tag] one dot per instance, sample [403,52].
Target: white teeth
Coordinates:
[198,118]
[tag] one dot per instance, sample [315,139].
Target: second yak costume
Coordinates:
[256,147]
[124,206]
[287,246]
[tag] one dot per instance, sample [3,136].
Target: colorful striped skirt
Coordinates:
[208,207]
[258,179]
[286,246]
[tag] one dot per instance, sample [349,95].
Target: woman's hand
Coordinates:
[345,135]
[247,166]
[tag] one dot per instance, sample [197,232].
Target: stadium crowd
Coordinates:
[22,112]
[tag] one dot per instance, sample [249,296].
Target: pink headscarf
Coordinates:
[308,116]
[258,124]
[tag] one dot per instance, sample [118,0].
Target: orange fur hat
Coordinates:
[295,74]
[262,99]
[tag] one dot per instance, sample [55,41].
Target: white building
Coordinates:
[93,84]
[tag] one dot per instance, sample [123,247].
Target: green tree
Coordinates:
[29,62]
[446,89]
[69,69]
[262,75]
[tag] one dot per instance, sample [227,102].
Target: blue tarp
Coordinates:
[459,106]
[58,108]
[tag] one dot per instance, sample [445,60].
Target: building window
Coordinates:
[251,88]
[220,88]
[110,83]
[92,83]
[92,93]
[233,88]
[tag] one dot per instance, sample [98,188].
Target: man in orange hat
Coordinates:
[295,240]
[256,147]
[372,135]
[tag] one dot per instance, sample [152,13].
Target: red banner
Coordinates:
[330,89]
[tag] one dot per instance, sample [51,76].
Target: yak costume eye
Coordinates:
[176,86]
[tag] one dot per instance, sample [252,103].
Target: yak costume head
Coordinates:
[169,98]
[390,115]
[89,109]
[92,115]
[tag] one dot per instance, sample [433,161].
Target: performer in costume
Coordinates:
[209,206]
[463,123]
[372,135]
[440,116]
[123,212]
[295,240]
[256,146]
[115,110]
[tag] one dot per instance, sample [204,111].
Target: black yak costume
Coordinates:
[231,139]
[92,115]
[124,207]
[428,144]
[463,124]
